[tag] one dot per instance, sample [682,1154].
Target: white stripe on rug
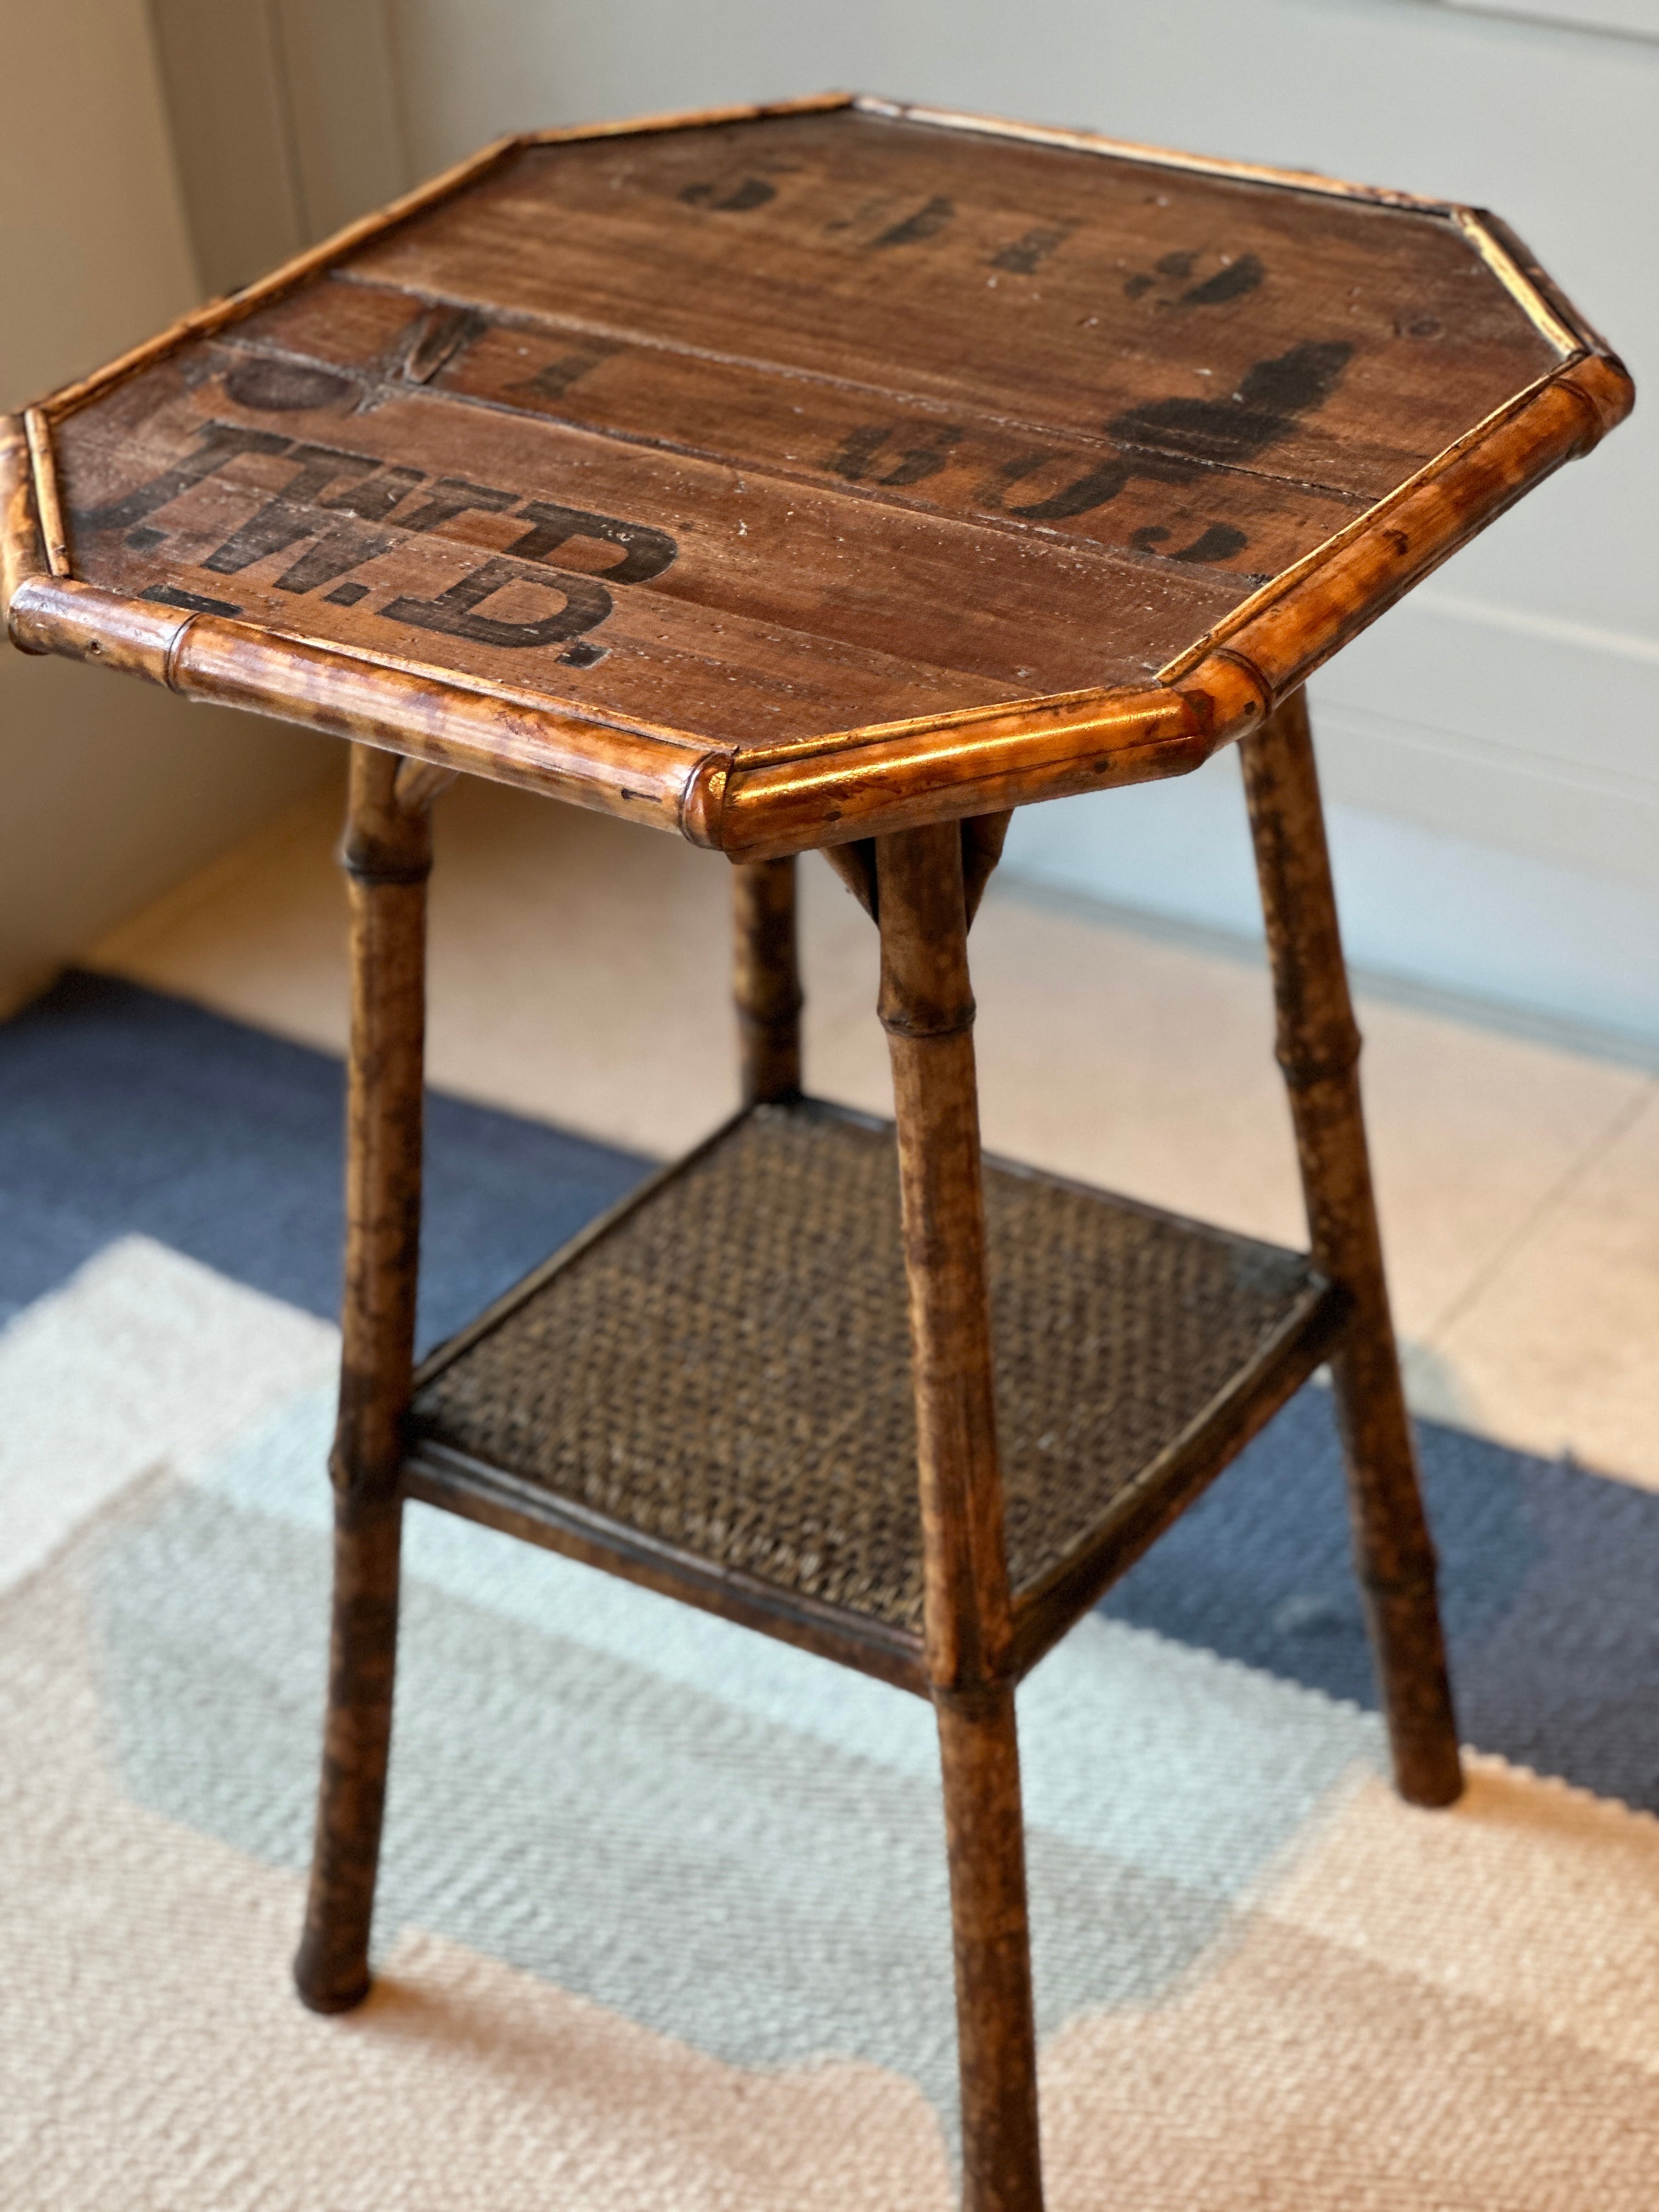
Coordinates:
[141,1356]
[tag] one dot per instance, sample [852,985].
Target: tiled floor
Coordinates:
[579,974]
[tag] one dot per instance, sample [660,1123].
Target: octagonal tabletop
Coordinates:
[792,475]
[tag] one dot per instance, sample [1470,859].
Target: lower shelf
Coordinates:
[709,1390]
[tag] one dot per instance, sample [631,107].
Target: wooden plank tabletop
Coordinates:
[767,433]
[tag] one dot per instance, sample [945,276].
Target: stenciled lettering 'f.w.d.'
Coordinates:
[347,508]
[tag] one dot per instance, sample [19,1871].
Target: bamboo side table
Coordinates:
[838,475]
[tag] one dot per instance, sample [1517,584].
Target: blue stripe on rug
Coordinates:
[1547,1572]
[123,1111]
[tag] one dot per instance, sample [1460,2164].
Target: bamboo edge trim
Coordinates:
[693,118]
[48,507]
[1604,415]
[1281,586]
[1161,157]
[22,551]
[565,712]
[427,672]
[1566,340]
[216,314]
[865,792]
[1572,316]
[1499,445]
[405,710]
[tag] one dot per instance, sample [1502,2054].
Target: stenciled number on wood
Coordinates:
[1168,441]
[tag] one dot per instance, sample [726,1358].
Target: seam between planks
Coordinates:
[575,326]
[1198,576]
[1090,441]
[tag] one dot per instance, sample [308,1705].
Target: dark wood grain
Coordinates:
[892,446]
[818,609]
[835,426]
[1051,288]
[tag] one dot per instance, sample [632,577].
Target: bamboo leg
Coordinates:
[996,2024]
[1319,1050]
[386,854]
[767,979]
[927,1012]
[983,837]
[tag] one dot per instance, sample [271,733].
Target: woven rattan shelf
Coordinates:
[712,1391]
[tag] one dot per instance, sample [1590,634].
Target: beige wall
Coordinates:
[108,790]
[287,121]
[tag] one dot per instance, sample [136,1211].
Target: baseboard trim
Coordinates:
[1623,1048]
[1430,919]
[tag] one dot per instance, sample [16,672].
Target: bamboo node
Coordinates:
[1418,1582]
[364,869]
[1302,1073]
[923,1029]
[981,1698]
[171,663]
[1220,710]
[702,800]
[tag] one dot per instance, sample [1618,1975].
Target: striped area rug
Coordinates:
[663,1921]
